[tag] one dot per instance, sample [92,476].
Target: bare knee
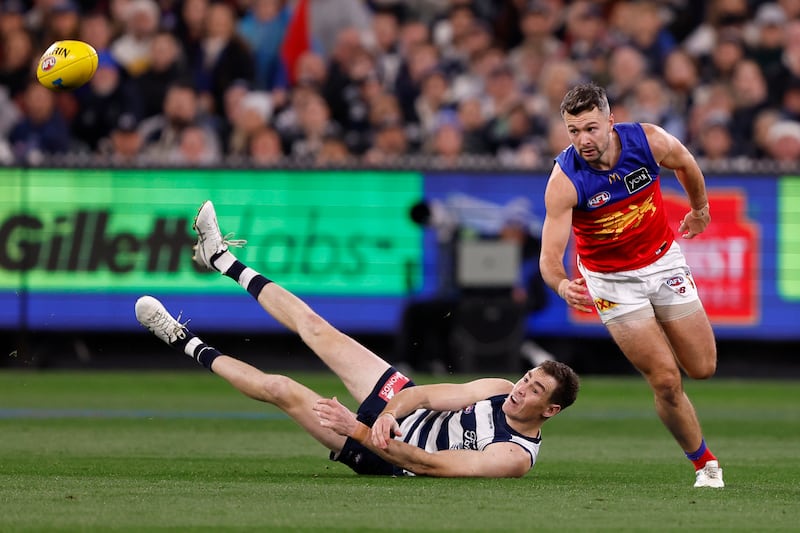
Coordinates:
[667,388]
[277,389]
[313,327]
[702,366]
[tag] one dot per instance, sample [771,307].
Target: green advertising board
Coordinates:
[87,230]
[789,238]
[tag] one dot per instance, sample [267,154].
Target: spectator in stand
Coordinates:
[181,109]
[721,16]
[62,22]
[123,147]
[646,32]
[716,144]
[627,67]
[681,78]
[341,73]
[651,102]
[41,130]
[249,115]
[312,71]
[446,146]
[9,113]
[197,147]
[263,27]
[191,26]
[761,126]
[790,64]
[315,125]
[767,44]
[390,143]
[434,98]
[132,49]
[539,44]
[102,102]
[730,49]
[715,99]
[750,98]
[518,145]
[472,83]
[16,61]
[167,66]
[330,19]
[502,93]
[12,17]
[333,152]
[473,126]
[224,58]
[783,142]
[420,60]
[386,36]
[586,35]
[96,29]
[265,147]
[790,108]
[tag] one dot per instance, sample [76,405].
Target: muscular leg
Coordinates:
[357,367]
[645,345]
[294,399]
[692,339]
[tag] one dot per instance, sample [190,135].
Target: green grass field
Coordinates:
[182,451]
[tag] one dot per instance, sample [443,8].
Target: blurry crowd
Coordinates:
[377,82]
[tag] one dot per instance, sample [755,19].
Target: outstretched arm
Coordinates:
[501,459]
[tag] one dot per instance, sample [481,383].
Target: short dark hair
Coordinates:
[568,383]
[585,97]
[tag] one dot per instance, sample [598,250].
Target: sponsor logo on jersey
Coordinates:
[393,385]
[638,179]
[675,281]
[48,63]
[470,439]
[613,177]
[603,305]
[598,199]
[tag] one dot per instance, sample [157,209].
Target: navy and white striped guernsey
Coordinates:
[471,428]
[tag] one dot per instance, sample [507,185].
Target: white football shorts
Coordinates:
[664,289]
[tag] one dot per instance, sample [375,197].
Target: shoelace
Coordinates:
[172,327]
[228,240]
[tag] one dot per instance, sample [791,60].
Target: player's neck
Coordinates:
[531,429]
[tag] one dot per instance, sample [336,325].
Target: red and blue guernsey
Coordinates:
[619,222]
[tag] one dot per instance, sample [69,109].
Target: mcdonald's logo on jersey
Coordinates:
[613,177]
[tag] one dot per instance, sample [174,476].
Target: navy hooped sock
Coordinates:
[248,278]
[200,351]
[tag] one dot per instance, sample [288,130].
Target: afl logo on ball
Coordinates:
[598,199]
[675,281]
[48,63]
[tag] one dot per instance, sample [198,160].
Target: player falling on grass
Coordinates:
[485,428]
[605,188]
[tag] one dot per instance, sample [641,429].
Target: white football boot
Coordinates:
[154,316]
[709,476]
[210,242]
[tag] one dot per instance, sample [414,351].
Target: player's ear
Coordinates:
[552,410]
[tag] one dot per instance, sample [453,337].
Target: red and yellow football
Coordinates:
[67,65]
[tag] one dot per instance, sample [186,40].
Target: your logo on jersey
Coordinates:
[638,179]
[393,385]
[598,199]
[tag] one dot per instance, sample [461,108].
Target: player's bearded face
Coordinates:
[589,133]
